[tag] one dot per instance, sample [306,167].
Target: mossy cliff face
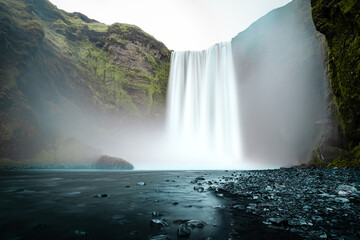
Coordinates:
[339,21]
[58,67]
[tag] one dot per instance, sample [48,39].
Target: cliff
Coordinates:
[339,21]
[63,73]
[283,87]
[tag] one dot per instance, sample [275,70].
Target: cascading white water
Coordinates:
[202,110]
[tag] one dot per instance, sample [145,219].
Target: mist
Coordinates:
[267,117]
[281,83]
[281,91]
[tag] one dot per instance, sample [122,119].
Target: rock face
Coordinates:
[339,22]
[65,74]
[282,85]
[106,162]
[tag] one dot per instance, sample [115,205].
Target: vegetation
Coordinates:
[52,61]
[339,21]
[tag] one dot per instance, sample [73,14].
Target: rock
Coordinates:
[133,233]
[80,233]
[323,236]
[196,180]
[326,195]
[251,206]
[158,223]
[279,221]
[183,231]
[104,195]
[181,221]
[240,207]
[107,162]
[341,200]
[159,237]
[303,222]
[345,190]
[195,224]
[343,193]
[308,201]
[219,206]
[317,218]
[140,184]
[199,189]
[155,214]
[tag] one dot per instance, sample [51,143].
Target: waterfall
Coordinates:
[202,104]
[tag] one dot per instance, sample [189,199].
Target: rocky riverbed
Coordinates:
[267,204]
[313,203]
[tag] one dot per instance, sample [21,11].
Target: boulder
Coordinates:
[107,162]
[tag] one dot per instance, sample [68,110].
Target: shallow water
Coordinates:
[63,204]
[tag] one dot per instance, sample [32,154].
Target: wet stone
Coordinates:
[183,231]
[133,233]
[346,189]
[158,223]
[195,224]
[323,236]
[159,237]
[219,206]
[155,213]
[199,189]
[240,207]
[80,233]
[307,201]
[278,221]
[341,200]
[104,195]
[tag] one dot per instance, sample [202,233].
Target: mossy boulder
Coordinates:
[107,162]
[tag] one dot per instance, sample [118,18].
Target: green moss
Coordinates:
[113,39]
[339,21]
[51,59]
[98,27]
[347,6]
[150,59]
[348,159]
[318,161]
[104,79]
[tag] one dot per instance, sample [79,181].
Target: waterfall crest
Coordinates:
[202,110]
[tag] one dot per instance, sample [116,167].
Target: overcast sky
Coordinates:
[179,24]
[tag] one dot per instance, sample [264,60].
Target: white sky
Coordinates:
[179,24]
